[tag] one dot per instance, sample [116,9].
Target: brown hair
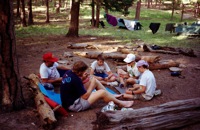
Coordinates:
[100,57]
[79,67]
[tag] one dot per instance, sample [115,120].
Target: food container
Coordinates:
[175,71]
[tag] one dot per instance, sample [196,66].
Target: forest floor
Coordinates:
[30,51]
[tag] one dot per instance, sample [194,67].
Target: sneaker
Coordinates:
[157,92]
[115,83]
[125,109]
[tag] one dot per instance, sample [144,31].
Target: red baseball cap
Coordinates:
[49,57]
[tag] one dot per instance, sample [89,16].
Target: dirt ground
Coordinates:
[30,51]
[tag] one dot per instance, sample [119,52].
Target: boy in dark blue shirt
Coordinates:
[76,97]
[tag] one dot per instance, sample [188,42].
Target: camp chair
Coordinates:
[53,99]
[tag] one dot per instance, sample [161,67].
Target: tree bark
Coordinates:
[98,5]
[182,12]
[18,8]
[30,13]
[170,115]
[117,56]
[23,14]
[137,13]
[163,64]
[44,110]
[74,21]
[93,12]
[173,8]
[11,95]
[47,11]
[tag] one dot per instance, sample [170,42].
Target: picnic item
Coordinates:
[110,107]
[175,69]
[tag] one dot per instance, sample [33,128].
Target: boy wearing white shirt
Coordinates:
[102,72]
[146,89]
[49,73]
[132,74]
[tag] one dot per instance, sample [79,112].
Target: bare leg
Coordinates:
[107,97]
[120,71]
[131,81]
[128,96]
[112,79]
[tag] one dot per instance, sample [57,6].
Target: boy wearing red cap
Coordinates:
[49,71]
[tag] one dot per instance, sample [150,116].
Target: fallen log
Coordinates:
[149,49]
[163,64]
[46,113]
[170,115]
[117,56]
[79,46]
[88,46]
[124,50]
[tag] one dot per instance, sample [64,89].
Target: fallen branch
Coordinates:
[147,48]
[117,56]
[46,113]
[163,64]
[170,115]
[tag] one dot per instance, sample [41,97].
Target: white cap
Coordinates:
[129,58]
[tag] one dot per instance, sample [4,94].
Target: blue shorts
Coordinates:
[103,75]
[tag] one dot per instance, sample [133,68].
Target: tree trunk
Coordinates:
[74,22]
[137,13]
[98,4]
[170,115]
[47,11]
[18,8]
[148,3]
[11,96]
[30,13]
[182,12]
[93,12]
[23,14]
[173,8]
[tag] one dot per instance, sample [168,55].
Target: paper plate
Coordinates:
[175,69]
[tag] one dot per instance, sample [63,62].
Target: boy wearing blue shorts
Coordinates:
[102,72]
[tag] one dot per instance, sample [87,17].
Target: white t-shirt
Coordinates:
[49,72]
[148,80]
[133,71]
[100,69]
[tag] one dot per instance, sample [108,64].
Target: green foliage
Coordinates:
[118,5]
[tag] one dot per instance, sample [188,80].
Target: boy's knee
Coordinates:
[102,91]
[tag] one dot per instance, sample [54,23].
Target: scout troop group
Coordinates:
[78,82]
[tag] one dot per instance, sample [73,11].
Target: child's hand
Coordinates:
[106,78]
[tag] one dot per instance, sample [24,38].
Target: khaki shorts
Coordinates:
[138,97]
[79,105]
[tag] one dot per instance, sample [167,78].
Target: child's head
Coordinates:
[100,60]
[79,68]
